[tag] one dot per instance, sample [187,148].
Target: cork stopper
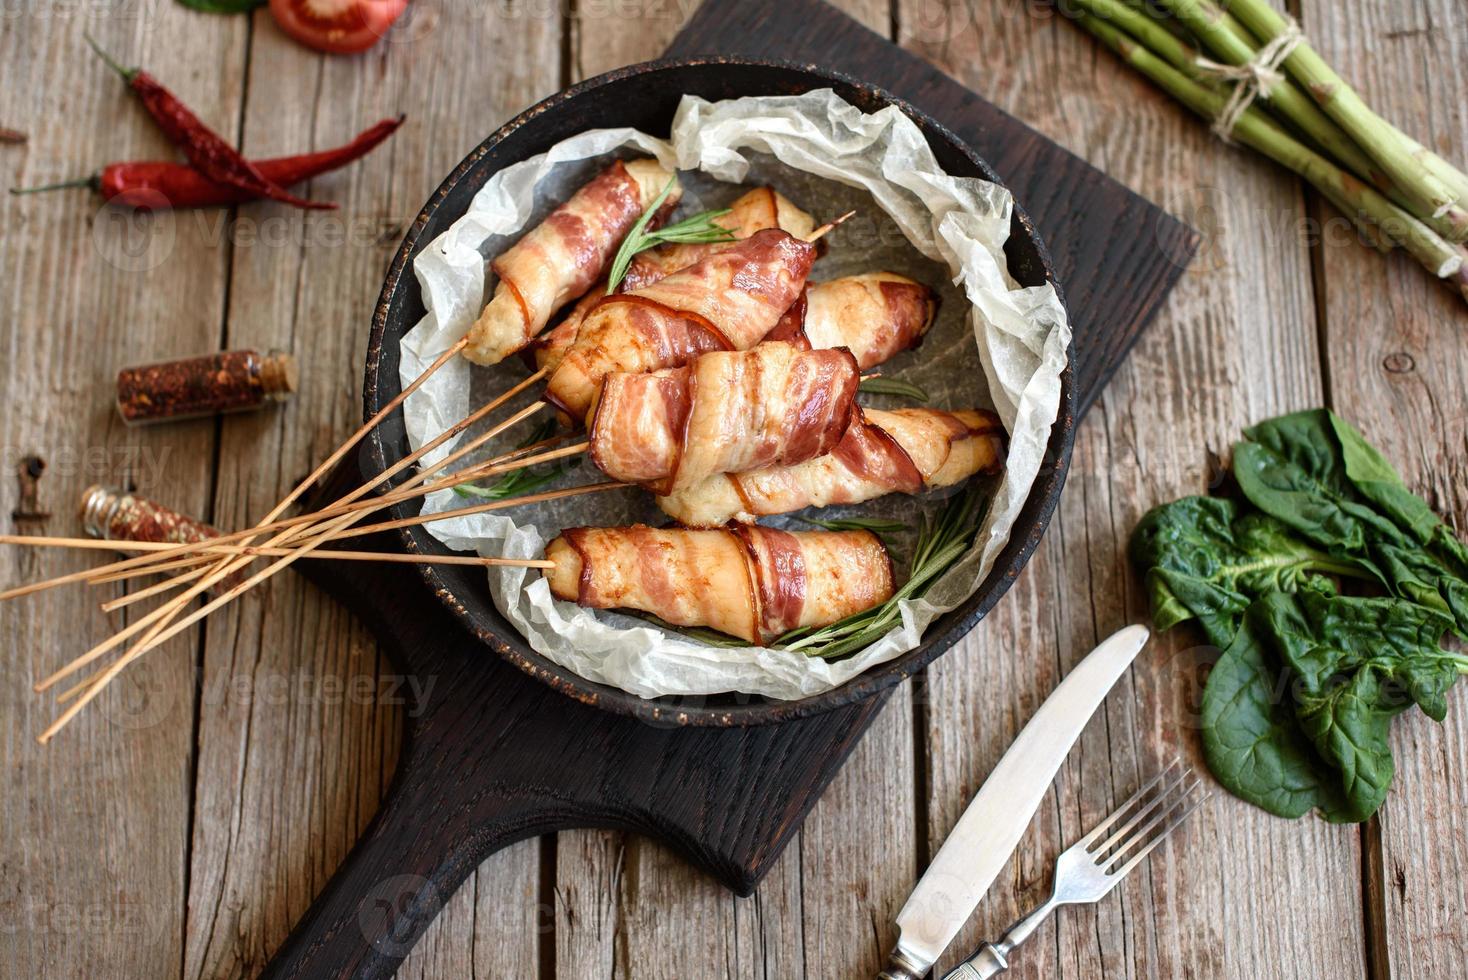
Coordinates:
[99,504]
[279,374]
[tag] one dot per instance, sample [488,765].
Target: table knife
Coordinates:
[989,830]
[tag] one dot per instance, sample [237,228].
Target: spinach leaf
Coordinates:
[1297,712]
[1252,741]
[1356,664]
[1316,473]
[1207,560]
[1291,468]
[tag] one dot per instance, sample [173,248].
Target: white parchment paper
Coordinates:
[913,219]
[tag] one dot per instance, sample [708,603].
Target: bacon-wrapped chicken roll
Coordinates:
[755,211]
[904,451]
[727,301]
[752,582]
[723,412]
[561,257]
[876,315]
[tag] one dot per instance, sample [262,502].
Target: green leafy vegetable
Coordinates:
[1205,559]
[1316,473]
[223,6]
[892,386]
[1297,711]
[700,229]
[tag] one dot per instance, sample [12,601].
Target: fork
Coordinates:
[1086,871]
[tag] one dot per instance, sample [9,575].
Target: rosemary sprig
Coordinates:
[710,637]
[892,386]
[941,542]
[699,229]
[514,483]
[882,529]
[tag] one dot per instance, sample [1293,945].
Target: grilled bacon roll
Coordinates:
[752,582]
[904,451]
[876,315]
[559,259]
[723,412]
[755,211]
[727,301]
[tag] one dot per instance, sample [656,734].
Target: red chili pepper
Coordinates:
[149,185]
[209,152]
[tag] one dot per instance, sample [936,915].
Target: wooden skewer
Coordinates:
[341,515]
[157,622]
[484,508]
[105,576]
[147,563]
[260,528]
[262,551]
[828,227]
[164,629]
[307,523]
[135,567]
[341,451]
[408,490]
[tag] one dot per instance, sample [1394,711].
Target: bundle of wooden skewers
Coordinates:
[1249,70]
[703,367]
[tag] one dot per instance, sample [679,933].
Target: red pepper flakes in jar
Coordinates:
[195,387]
[115,515]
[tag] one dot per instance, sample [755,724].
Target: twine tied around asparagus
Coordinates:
[1255,77]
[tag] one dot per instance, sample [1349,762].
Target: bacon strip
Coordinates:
[725,412]
[904,451]
[752,582]
[559,259]
[728,301]
[754,211]
[876,315]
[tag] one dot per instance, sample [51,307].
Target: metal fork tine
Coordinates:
[1163,794]
[1140,834]
[1120,811]
[1161,836]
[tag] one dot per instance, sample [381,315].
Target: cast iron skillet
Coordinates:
[645,97]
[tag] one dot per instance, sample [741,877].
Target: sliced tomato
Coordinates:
[338,26]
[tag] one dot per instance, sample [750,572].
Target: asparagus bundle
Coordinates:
[1397,192]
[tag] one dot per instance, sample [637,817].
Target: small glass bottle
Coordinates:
[194,387]
[116,515]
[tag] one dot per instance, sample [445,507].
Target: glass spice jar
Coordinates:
[194,387]
[116,515]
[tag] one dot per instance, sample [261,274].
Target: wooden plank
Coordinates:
[294,757]
[93,854]
[604,36]
[628,908]
[1193,381]
[1397,368]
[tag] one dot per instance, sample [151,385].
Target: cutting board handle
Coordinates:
[425,840]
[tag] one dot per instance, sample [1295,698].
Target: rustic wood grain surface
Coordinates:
[181,826]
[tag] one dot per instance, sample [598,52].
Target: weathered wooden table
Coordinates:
[185,821]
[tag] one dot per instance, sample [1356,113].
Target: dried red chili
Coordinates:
[209,152]
[160,184]
[230,381]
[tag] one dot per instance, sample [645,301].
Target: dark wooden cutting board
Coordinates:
[492,756]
